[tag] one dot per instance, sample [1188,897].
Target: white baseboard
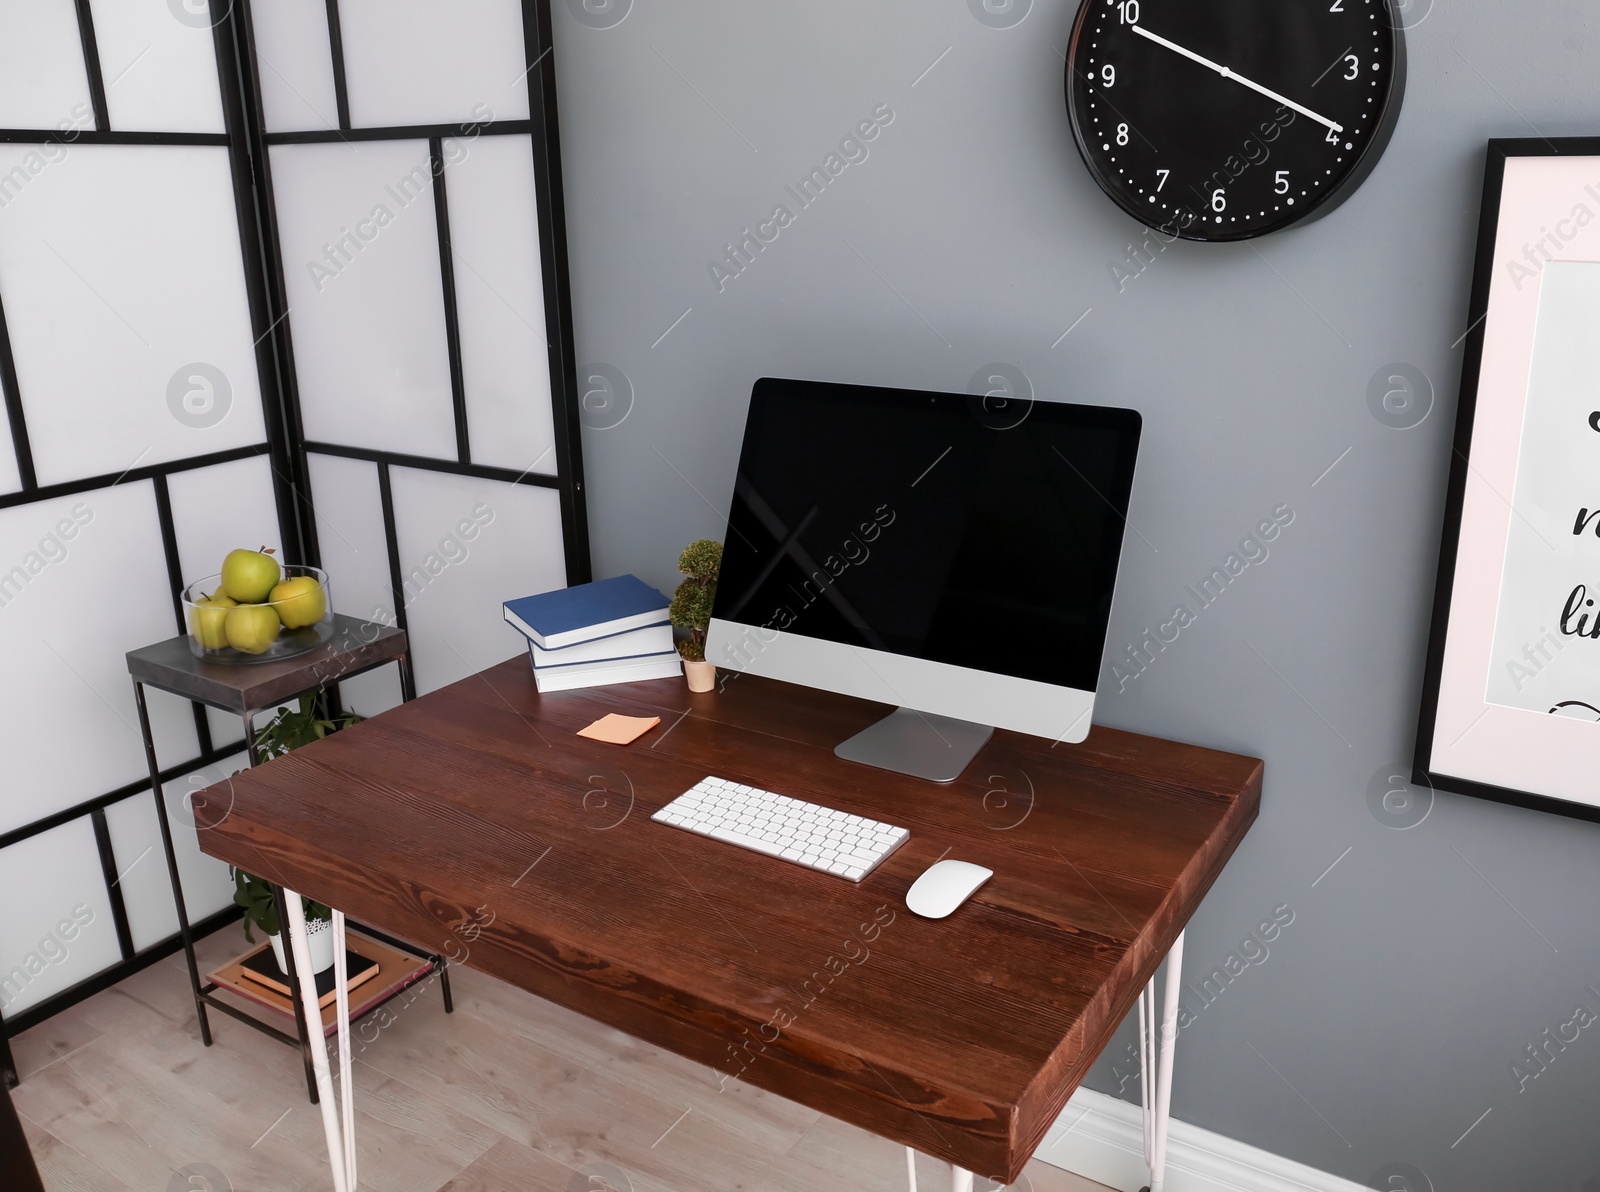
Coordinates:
[1101,1138]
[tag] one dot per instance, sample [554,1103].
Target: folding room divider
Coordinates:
[288,273]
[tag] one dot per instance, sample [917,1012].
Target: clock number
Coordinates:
[1219,201]
[1282,182]
[1332,138]
[1108,75]
[1163,182]
[1338,6]
[1130,11]
[1122,134]
[1355,68]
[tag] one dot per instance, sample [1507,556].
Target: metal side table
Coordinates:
[247,690]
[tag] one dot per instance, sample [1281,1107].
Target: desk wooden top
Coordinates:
[474,822]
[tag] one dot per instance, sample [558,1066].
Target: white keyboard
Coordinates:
[816,837]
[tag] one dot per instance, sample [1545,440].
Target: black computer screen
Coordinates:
[963,530]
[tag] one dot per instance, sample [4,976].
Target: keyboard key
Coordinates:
[754,843]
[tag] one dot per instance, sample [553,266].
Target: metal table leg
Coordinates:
[960,1177]
[8,1066]
[1157,1101]
[338,1117]
[172,860]
[302,1026]
[442,967]
[251,745]
[408,682]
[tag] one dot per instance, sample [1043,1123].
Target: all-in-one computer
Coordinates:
[952,555]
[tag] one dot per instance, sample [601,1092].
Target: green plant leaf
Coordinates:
[701,559]
[290,729]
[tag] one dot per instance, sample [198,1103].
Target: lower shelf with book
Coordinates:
[377,972]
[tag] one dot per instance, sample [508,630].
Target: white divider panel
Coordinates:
[371,693]
[426,62]
[159,65]
[355,555]
[83,580]
[296,65]
[467,545]
[361,263]
[142,865]
[494,239]
[215,510]
[221,508]
[125,297]
[57,929]
[350,531]
[41,64]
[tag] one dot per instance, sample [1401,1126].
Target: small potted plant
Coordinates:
[289,730]
[691,609]
[261,910]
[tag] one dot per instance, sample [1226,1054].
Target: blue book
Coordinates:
[568,616]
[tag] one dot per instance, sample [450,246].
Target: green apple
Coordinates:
[300,601]
[209,620]
[251,628]
[249,575]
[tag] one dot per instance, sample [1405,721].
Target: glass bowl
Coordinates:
[208,625]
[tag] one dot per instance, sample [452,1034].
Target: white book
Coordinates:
[617,670]
[653,639]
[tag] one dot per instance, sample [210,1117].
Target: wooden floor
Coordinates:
[508,1094]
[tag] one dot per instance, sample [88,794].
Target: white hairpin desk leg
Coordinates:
[339,1128]
[1147,1013]
[960,1179]
[1158,1099]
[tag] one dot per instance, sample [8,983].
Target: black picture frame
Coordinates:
[1499,153]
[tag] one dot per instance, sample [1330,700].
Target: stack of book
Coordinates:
[610,631]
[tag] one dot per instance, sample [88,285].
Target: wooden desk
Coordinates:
[473,822]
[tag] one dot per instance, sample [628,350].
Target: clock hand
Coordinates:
[1226,73]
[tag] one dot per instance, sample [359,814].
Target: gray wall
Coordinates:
[1388,1014]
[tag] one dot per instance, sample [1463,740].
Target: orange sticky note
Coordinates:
[619,730]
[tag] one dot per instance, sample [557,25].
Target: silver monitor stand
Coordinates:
[935,748]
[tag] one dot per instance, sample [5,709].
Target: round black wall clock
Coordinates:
[1226,119]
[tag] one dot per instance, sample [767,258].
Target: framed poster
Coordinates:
[1511,699]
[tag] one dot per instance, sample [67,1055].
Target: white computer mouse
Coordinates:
[944,887]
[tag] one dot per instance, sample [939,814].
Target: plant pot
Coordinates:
[319,938]
[702,676]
